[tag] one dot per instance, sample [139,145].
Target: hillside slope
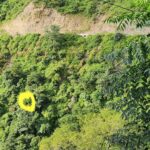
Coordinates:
[71,77]
[36,20]
[73,91]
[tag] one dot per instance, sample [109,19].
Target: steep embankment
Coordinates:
[36,20]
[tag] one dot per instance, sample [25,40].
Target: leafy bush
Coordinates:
[11,8]
[94,132]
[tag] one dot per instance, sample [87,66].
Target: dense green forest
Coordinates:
[92,93]
[82,87]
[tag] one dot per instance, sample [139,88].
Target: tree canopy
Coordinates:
[91,92]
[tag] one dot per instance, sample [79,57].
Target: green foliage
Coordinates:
[4,51]
[136,12]
[93,132]
[11,8]
[54,37]
[130,92]
[87,7]
[74,81]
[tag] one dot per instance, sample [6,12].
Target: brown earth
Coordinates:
[37,20]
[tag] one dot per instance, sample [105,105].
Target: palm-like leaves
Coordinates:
[138,14]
